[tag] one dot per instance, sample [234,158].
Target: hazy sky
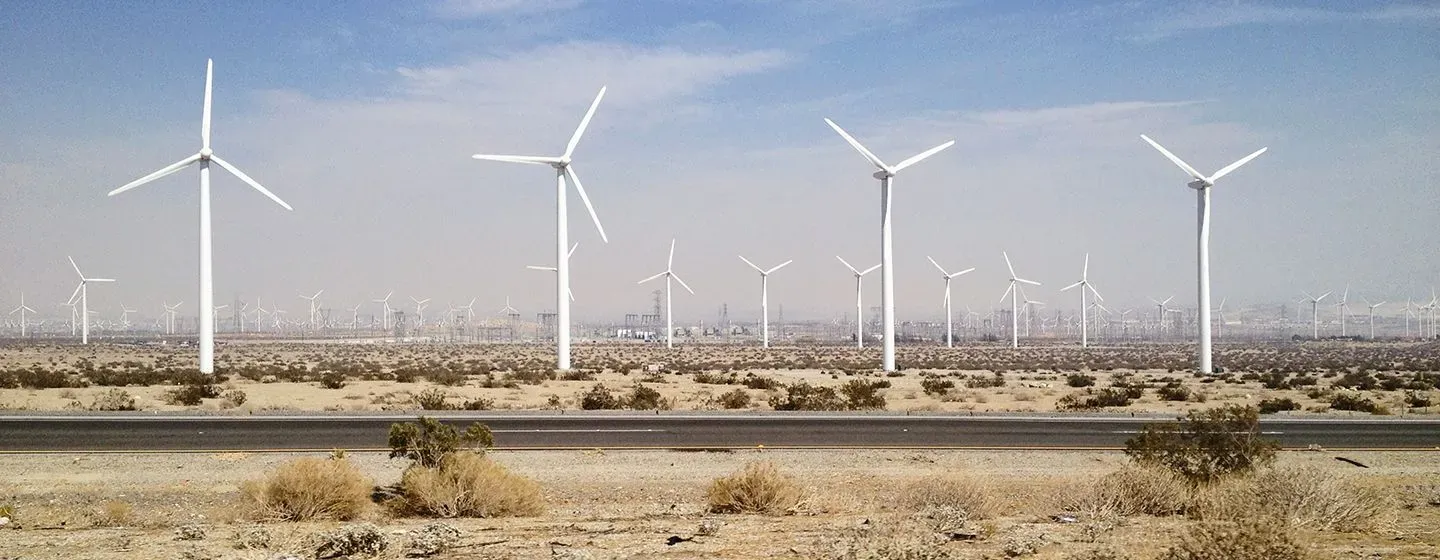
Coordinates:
[362,115]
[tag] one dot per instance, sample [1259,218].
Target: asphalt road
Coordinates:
[664,431]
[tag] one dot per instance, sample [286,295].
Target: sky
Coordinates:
[362,115]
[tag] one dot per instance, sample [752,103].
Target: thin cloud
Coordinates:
[1204,17]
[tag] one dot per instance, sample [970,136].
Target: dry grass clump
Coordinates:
[469,484]
[1307,498]
[953,493]
[312,488]
[113,513]
[1251,538]
[758,488]
[1133,491]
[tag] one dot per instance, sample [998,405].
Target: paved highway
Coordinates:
[663,431]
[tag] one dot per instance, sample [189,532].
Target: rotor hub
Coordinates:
[205,153]
[1198,184]
[883,175]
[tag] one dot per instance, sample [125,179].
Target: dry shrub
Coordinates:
[468,484]
[113,513]
[758,488]
[1251,538]
[311,488]
[1307,498]
[961,495]
[1133,491]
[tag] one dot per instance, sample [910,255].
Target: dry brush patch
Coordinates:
[468,484]
[758,488]
[311,488]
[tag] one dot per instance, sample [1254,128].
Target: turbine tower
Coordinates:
[82,292]
[669,274]
[1084,284]
[859,308]
[1314,313]
[549,268]
[170,316]
[314,324]
[1160,319]
[22,310]
[1342,308]
[419,310]
[1372,307]
[949,323]
[1013,290]
[765,298]
[1202,185]
[886,175]
[204,157]
[384,311]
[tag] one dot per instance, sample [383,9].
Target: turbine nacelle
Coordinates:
[206,153]
[1199,184]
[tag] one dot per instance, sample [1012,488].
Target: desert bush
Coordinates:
[478,403]
[254,537]
[758,488]
[936,386]
[1252,538]
[861,394]
[1173,391]
[1271,406]
[1079,380]
[432,399]
[446,376]
[112,513]
[738,398]
[1205,445]
[760,382]
[1304,497]
[332,380]
[431,539]
[468,484]
[645,398]
[351,540]
[577,375]
[113,400]
[192,395]
[599,398]
[1134,491]
[1415,399]
[233,398]
[804,396]
[1347,401]
[959,496]
[312,488]
[1108,397]
[985,381]
[427,440]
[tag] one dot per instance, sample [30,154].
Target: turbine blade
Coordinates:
[205,117]
[869,270]
[99,279]
[570,148]
[682,283]
[1167,300]
[573,247]
[651,278]
[76,267]
[937,266]
[1007,263]
[1030,282]
[243,177]
[858,147]
[752,265]
[538,267]
[570,293]
[671,262]
[579,188]
[75,294]
[164,171]
[917,158]
[1097,293]
[1176,160]
[847,265]
[1307,295]
[1085,272]
[1242,161]
[1009,288]
[533,160]
[971,269]
[1067,288]
[1323,296]
[779,266]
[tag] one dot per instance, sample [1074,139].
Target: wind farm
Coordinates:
[416,361]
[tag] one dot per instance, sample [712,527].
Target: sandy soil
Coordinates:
[626,504]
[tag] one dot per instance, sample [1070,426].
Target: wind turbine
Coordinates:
[240,313]
[170,316]
[1372,307]
[355,317]
[312,300]
[1342,307]
[469,311]
[216,316]
[1314,313]
[562,272]
[1160,319]
[886,175]
[419,310]
[384,310]
[124,315]
[1013,290]
[204,157]
[1202,185]
[765,298]
[949,324]
[22,310]
[1220,323]
[669,274]
[859,308]
[82,292]
[551,269]
[1084,284]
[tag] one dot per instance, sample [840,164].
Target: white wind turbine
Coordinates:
[1202,185]
[240,313]
[314,302]
[1013,290]
[1220,319]
[765,298]
[886,175]
[170,316]
[1372,307]
[22,310]
[1084,284]
[419,310]
[384,310]
[669,274]
[355,317]
[1314,313]
[82,292]
[949,323]
[124,315]
[204,157]
[859,307]
[563,169]
[1160,318]
[547,268]
[1342,308]
[469,310]
[216,316]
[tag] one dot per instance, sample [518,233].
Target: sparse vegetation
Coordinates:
[758,488]
[312,489]
[1205,445]
[468,484]
[1252,538]
[427,440]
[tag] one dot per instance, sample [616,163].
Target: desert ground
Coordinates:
[628,504]
[1384,377]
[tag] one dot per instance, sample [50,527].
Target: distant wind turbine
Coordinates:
[563,169]
[886,175]
[669,274]
[1084,284]
[384,310]
[82,292]
[1315,313]
[765,298]
[314,301]
[22,310]
[1202,185]
[1160,318]
[419,310]
[1013,291]
[1342,308]
[1372,307]
[204,157]
[859,308]
[949,322]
